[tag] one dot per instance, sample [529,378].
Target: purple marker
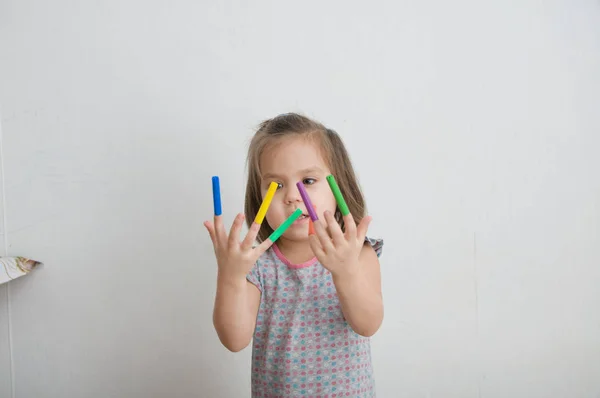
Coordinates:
[309,206]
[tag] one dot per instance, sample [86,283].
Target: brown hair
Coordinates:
[270,132]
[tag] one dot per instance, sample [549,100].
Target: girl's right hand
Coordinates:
[235,259]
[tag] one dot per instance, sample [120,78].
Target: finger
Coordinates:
[323,237]
[220,234]
[211,231]
[316,247]
[334,229]
[350,226]
[234,233]
[250,236]
[263,247]
[325,225]
[362,228]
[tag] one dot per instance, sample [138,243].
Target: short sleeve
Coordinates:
[376,244]
[255,277]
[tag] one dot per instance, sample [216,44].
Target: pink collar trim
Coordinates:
[287,262]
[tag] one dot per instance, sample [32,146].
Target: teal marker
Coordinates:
[286,224]
[338,195]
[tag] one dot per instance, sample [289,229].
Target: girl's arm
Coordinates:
[236,308]
[360,294]
[237,300]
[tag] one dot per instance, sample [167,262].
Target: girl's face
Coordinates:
[293,160]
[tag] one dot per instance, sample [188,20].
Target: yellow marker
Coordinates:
[266,203]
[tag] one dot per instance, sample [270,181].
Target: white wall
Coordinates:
[5,355]
[475,128]
[5,326]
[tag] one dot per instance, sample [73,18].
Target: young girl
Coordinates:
[309,301]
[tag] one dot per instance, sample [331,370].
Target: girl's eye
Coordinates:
[309,181]
[279,185]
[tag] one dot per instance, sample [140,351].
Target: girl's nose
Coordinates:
[292,194]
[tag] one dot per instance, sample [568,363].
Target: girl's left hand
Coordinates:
[339,252]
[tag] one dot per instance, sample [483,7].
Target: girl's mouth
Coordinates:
[301,219]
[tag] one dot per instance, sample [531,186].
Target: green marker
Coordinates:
[338,195]
[279,231]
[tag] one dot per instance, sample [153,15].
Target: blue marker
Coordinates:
[216,195]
